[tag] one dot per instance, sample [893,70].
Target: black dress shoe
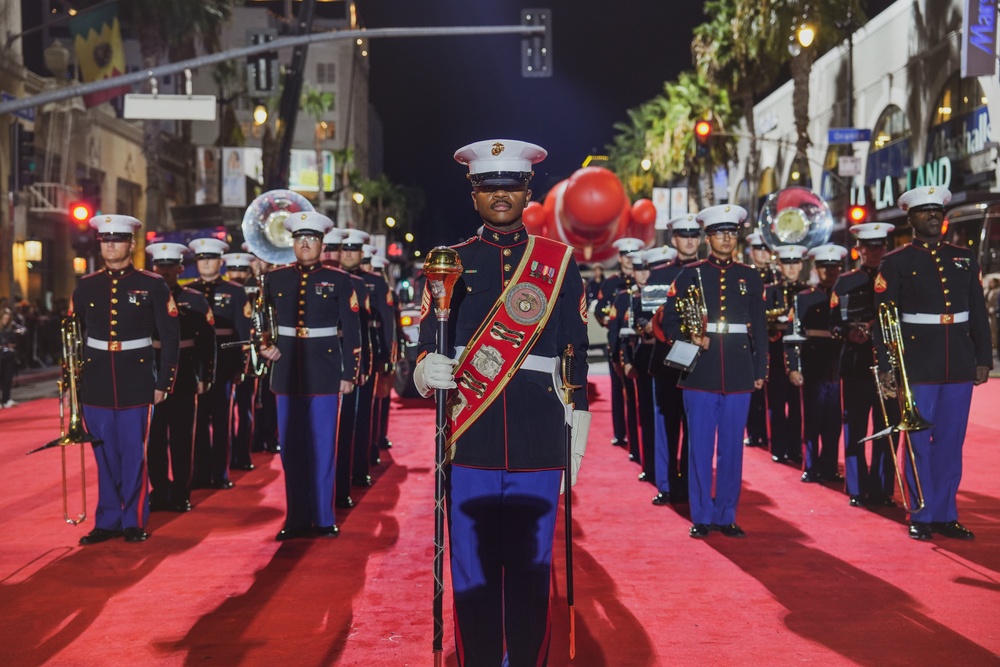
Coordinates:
[98,535]
[643,477]
[920,531]
[361,480]
[777,459]
[136,534]
[833,477]
[272,447]
[291,534]
[857,501]
[385,444]
[343,502]
[661,499]
[181,506]
[698,530]
[881,501]
[243,466]
[619,442]
[328,531]
[224,484]
[809,477]
[953,529]
[731,530]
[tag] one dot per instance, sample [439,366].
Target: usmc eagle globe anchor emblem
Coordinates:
[525,304]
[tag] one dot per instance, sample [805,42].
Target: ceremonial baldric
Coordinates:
[505,338]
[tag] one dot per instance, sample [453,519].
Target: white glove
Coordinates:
[435,371]
[581,429]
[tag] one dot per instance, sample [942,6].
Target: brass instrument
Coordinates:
[264,225]
[693,310]
[898,387]
[73,433]
[263,330]
[777,312]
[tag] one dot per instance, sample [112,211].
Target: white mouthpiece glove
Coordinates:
[581,429]
[435,371]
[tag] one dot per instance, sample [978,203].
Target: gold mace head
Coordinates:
[442,267]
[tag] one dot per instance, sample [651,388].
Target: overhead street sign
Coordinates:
[170,107]
[26,114]
[848,135]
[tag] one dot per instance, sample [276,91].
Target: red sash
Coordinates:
[507,335]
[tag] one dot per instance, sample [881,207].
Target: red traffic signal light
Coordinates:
[857,214]
[81,212]
[703,130]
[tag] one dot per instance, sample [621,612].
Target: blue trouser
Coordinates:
[501,527]
[712,417]
[822,415]
[860,398]
[938,450]
[307,426]
[122,496]
[671,449]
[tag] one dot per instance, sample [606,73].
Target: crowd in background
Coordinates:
[29,338]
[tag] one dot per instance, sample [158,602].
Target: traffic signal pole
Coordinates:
[132,78]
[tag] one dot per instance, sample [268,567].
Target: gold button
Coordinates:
[946,291]
[723,297]
[114,312]
[302,312]
[469,288]
[722,308]
[114,321]
[943,279]
[114,281]
[722,318]
[506,267]
[506,252]
[112,301]
[947,303]
[505,283]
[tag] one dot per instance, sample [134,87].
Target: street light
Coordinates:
[358,198]
[260,114]
[646,164]
[408,237]
[806,35]
[390,221]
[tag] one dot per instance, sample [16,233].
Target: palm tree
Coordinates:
[317,103]
[627,152]
[170,29]
[741,49]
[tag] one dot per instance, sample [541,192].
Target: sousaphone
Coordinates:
[264,225]
[795,216]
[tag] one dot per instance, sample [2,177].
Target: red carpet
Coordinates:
[815,581]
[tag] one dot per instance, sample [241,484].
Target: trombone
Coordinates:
[898,386]
[73,433]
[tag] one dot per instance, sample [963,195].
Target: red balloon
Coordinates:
[594,197]
[533,217]
[643,212]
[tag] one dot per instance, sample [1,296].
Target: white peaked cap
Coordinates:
[928,195]
[335,236]
[379,262]
[308,221]
[628,244]
[237,260]
[756,239]
[660,254]
[872,230]
[790,253]
[828,253]
[684,223]
[500,155]
[167,252]
[355,237]
[724,214]
[115,224]
[208,246]
[368,251]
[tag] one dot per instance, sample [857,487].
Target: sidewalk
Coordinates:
[32,383]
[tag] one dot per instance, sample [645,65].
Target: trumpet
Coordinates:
[73,433]
[898,386]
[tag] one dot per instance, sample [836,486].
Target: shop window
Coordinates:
[959,97]
[799,174]
[889,153]
[768,183]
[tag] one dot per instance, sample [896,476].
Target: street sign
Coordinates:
[170,107]
[848,135]
[26,114]
[848,165]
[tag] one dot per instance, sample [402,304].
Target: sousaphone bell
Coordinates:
[264,225]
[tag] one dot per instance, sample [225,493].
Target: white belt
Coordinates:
[119,345]
[819,333]
[225,332]
[532,362]
[307,332]
[934,318]
[725,327]
[188,342]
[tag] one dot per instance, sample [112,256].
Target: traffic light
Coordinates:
[536,51]
[262,69]
[22,162]
[702,136]
[857,214]
[80,213]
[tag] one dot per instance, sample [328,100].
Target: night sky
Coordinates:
[437,94]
